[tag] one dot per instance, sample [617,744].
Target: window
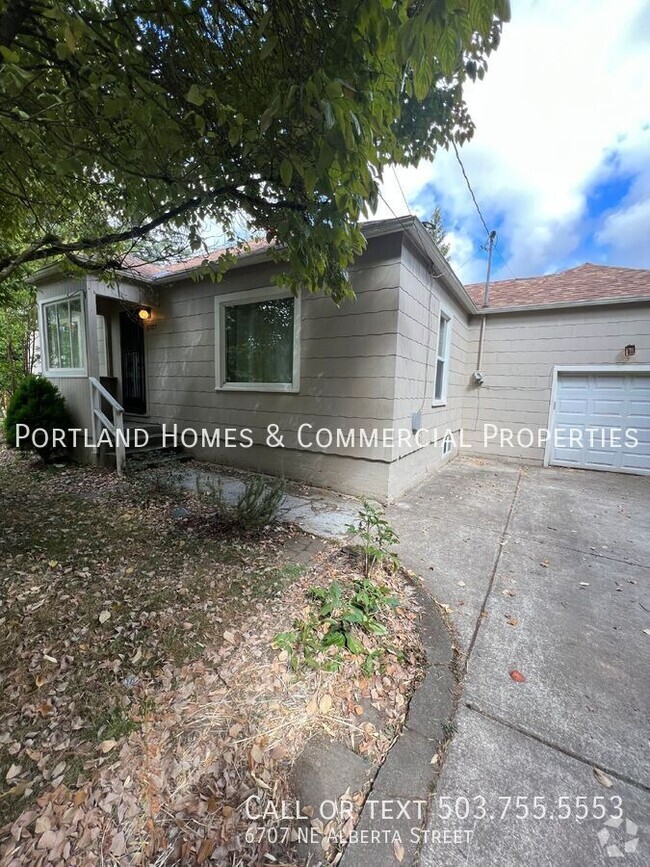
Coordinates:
[258,341]
[442,361]
[65,343]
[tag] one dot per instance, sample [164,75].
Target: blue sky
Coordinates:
[560,161]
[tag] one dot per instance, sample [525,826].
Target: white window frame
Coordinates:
[63,372]
[251,296]
[446,358]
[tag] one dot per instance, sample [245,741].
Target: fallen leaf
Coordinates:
[358,710]
[42,825]
[435,758]
[398,849]
[325,704]
[507,592]
[13,772]
[511,620]
[279,752]
[104,616]
[107,746]
[118,844]
[205,850]
[229,637]
[545,563]
[517,676]
[58,770]
[52,563]
[602,778]
[256,754]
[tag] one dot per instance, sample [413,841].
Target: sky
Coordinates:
[560,160]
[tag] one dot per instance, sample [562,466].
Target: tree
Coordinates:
[18,328]
[133,116]
[436,228]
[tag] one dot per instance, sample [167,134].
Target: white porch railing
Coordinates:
[115,427]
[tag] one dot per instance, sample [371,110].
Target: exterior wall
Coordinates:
[421,298]
[75,389]
[520,352]
[347,375]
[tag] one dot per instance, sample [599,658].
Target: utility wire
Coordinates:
[503,259]
[408,207]
[469,187]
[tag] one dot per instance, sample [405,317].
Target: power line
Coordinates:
[408,207]
[503,259]
[469,187]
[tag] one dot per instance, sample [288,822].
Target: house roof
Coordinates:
[587,283]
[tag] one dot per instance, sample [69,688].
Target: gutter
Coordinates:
[563,305]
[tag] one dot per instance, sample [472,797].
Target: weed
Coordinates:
[254,509]
[376,536]
[337,625]
[449,728]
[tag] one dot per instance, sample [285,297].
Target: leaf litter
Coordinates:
[160,771]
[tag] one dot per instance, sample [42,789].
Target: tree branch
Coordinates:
[49,245]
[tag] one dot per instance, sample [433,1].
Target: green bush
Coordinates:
[256,508]
[37,403]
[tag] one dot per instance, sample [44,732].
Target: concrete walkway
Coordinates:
[546,573]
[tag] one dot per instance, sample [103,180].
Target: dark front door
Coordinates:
[134,397]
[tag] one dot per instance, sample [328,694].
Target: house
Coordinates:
[367,397]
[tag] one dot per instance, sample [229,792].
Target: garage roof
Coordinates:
[586,283]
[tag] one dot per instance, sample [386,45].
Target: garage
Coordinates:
[601,420]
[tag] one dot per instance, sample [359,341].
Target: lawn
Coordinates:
[142,693]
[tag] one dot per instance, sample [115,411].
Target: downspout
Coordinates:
[478,376]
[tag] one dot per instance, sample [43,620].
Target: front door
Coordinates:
[134,397]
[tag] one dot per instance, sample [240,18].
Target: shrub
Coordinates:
[254,509]
[37,403]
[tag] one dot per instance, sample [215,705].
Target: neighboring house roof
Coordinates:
[577,286]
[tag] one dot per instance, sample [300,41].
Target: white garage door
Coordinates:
[597,417]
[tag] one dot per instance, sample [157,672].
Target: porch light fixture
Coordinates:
[144,313]
[630,350]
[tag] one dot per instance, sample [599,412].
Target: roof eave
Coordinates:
[563,305]
[416,231]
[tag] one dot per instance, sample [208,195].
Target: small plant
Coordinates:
[256,507]
[337,625]
[38,404]
[376,536]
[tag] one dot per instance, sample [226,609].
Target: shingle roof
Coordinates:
[585,283]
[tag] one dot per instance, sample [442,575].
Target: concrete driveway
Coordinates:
[546,572]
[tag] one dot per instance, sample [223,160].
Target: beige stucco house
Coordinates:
[366,398]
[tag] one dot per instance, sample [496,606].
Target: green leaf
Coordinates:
[194,95]
[286,172]
[9,55]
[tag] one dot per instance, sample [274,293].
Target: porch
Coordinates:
[94,349]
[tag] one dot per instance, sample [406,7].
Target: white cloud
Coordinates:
[568,87]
